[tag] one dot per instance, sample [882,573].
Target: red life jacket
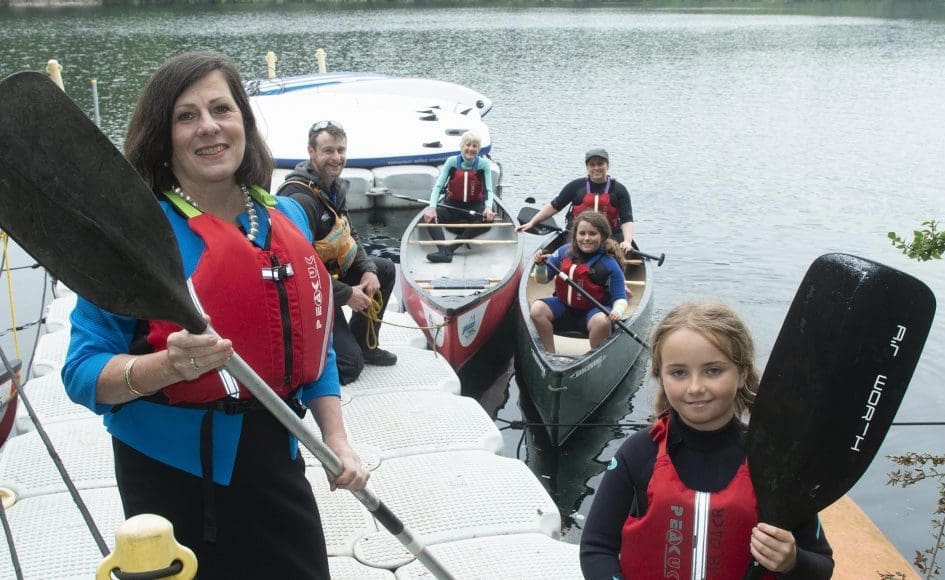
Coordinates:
[582,275]
[601,202]
[275,305]
[466,184]
[665,542]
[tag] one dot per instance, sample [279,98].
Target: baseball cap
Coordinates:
[596,152]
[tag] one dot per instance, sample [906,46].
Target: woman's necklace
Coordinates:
[250,209]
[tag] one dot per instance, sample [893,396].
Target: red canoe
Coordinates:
[461,303]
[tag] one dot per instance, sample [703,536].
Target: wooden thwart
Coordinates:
[467,225]
[438,279]
[459,242]
[457,285]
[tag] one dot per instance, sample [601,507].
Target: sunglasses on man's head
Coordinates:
[322,125]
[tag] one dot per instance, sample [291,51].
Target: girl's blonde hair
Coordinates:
[722,327]
[599,222]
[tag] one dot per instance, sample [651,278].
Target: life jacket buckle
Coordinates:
[277,273]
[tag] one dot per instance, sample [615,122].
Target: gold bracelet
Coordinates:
[126,372]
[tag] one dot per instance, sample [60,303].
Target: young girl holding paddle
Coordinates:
[594,261]
[677,500]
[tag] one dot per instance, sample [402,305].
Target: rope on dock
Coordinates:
[5,239]
[373,312]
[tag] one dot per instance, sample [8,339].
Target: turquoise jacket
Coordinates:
[484,165]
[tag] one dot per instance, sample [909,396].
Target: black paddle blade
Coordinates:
[546,227]
[70,199]
[835,378]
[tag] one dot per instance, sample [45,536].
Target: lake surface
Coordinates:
[751,143]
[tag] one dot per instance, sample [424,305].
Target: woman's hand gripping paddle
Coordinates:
[70,199]
[835,378]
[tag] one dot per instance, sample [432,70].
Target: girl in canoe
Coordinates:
[691,466]
[594,261]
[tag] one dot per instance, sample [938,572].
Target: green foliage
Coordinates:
[916,467]
[927,244]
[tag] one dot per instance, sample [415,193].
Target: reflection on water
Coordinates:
[381,230]
[567,471]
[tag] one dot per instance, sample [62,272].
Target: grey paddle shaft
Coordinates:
[623,325]
[252,381]
[527,213]
[427,202]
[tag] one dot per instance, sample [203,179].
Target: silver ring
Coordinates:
[194,364]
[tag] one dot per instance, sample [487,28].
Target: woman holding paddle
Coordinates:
[190,443]
[593,261]
[466,183]
[677,500]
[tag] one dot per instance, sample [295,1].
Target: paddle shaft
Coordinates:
[269,399]
[549,225]
[427,202]
[658,259]
[620,323]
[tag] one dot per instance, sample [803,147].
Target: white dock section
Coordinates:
[433,455]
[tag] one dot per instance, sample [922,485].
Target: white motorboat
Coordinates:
[399,129]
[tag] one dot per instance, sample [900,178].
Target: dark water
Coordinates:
[751,143]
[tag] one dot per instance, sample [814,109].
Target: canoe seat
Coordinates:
[457,284]
[572,334]
[458,242]
[464,225]
[571,345]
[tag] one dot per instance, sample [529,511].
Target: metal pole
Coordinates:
[95,116]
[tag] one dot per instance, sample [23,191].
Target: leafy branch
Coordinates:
[916,467]
[927,244]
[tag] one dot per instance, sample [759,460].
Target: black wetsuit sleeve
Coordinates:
[623,203]
[567,194]
[622,492]
[814,554]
